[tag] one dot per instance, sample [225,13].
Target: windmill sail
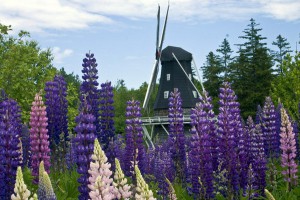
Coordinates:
[158,55]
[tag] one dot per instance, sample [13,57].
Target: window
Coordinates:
[166,94]
[168,77]
[195,94]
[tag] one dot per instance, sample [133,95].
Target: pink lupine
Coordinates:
[288,147]
[100,173]
[39,143]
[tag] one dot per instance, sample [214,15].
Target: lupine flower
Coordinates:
[20,191]
[25,139]
[107,118]
[89,89]
[57,110]
[229,130]
[134,150]
[269,128]
[177,137]
[10,152]
[39,144]
[163,168]
[288,147]
[45,190]
[142,189]
[201,154]
[71,154]
[258,117]
[100,173]
[122,189]
[172,194]
[257,157]
[84,142]
[269,195]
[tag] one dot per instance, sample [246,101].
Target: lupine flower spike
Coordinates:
[142,190]
[172,194]
[39,144]
[120,183]
[10,152]
[100,181]
[288,147]
[20,190]
[45,190]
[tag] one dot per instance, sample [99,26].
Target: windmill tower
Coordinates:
[176,72]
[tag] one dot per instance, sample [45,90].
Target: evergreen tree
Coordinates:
[212,70]
[283,49]
[253,70]
[225,58]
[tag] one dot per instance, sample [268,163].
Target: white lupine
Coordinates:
[100,181]
[20,190]
[142,189]
[120,183]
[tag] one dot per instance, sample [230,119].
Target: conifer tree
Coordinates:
[212,70]
[254,69]
[225,57]
[283,49]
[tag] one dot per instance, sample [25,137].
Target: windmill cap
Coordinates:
[181,54]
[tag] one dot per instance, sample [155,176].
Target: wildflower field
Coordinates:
[223,156]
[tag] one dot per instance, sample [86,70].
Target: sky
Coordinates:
[122,33]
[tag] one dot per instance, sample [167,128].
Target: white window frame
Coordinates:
[168,77]
[166,94]
[195,94]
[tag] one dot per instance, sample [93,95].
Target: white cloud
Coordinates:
[60,55]
[35,15]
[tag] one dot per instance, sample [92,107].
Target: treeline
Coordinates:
[255,71]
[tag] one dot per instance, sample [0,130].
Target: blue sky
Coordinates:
[122,33]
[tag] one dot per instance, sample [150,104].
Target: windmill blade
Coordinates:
[198,74]
[151,83]
[157,33]
[158,55]
[186,75]
[163,32]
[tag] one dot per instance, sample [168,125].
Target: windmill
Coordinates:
[176,72]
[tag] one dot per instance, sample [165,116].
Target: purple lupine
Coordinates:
[89,88]
[25,138]
[84,142]
[269,128]
[107,119]
[57,109]
[296,131]
[228,136]
[201,154]
[163,168]
[288,155]
[10,129]
[71,154]
[176,136]
[134,150]
[39,138]
[257,157]
[258,117]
